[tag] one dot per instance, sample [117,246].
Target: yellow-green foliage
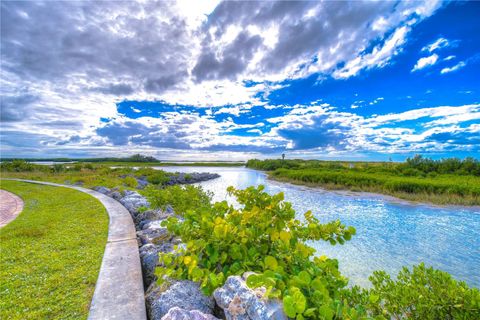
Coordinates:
[181,198]
[264,237]
[51,253]
[130,182]
[420,293]
[450,181]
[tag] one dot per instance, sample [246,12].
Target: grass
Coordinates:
[446,181]
[51,253]
[172,164]
[442,189]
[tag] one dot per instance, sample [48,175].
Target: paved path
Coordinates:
[10,207]
[119,290]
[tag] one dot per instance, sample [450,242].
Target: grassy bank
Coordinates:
[405,181]
[172,164]
[51,253]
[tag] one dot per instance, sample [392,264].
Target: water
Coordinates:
[390,233]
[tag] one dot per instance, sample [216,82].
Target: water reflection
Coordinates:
[390,233]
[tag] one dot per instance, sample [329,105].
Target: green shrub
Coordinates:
[263,237]
[130,182]
[17,166]
[181,198]
[423,293]
[58,168]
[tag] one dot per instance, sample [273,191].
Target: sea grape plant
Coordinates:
[264,236]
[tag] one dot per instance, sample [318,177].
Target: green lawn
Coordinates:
[51,253]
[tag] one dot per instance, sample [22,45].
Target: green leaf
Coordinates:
[300,301]
[304,276]
[271,263]
[289,306]
[325,312]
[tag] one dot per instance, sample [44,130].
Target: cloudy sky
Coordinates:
[235,80]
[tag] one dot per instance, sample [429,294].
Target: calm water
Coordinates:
[390,233]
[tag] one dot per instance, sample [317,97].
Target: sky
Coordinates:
[211,80]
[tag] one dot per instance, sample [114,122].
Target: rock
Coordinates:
[102,190]
[115,195]
[155,235]
[133,201]
[141,183]
[154,214]
[177,313]
[242,303]
[184,294]
[149,260]
[155,224]
[194,177]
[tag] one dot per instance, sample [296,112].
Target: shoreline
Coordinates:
[371,194]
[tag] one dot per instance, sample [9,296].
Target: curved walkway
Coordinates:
[10,207]
[119,290]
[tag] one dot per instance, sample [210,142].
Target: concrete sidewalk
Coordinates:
[119,290]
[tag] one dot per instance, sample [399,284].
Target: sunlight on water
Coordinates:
[390,233]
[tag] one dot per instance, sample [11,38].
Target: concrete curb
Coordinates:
[119,290]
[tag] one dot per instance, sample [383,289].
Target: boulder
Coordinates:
[177,313]
[153,214]
[149,260]
[116,195]
[154,235]
[102,190]
[132,200]
[141,183]
[239,302]
[184,294]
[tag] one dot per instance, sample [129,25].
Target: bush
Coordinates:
[17,166]
[423,293]
[130,182]
[181,198]
[263,237]
[58,168]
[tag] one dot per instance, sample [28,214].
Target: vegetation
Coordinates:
[134,158]
[87,174]
[181,198]
[265,237]
[448,181]
[422,293]
[51,253]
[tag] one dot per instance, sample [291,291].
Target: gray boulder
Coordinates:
[184,294]
[133,201]
[239,302]
[154,214]
[149,260]
[141,183]
[102,190]
[116,195]
[177,313]
[154,235]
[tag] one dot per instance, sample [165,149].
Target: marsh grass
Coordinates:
[51,253]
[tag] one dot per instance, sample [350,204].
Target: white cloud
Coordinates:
[449,58]
[425,62]
[437,44]
[456,67]
[378,58]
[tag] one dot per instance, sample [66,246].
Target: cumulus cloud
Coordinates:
[65,66]
[425,62]
[456,67]
[437,44]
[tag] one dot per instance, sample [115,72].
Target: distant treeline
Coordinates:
[134,158]
[416,166]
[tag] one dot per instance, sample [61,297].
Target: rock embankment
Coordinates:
[183,299]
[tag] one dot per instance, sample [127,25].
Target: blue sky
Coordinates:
[236,80]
